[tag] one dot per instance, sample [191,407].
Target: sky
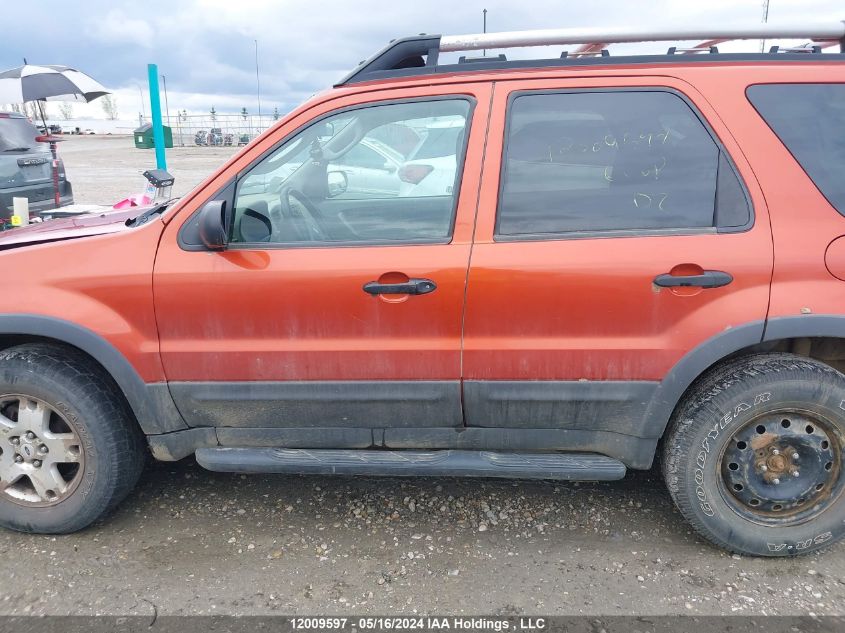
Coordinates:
[206,48]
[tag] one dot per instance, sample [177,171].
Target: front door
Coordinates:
[609,200]
[336,307]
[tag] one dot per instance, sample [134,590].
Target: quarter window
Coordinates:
[613,161]
[357,177]
[810,120]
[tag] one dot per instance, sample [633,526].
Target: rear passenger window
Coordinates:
[810,120]
[613,161]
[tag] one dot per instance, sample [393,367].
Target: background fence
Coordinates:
[216,130]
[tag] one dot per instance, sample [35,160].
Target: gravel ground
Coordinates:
[188,541]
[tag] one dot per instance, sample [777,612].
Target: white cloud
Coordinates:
[206,47]
[116,27]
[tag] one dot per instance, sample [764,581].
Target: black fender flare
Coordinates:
[716,348]
[150,402]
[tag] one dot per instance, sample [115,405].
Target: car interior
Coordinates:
[300,193]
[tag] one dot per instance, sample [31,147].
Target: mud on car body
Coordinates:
[619,260]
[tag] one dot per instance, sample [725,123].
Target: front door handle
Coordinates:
[707,279]
[410,287]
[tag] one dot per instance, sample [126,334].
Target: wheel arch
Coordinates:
[150,403]
[794,334]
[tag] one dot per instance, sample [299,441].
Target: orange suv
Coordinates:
[552,269]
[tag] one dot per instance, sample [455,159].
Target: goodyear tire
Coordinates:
[754,455]
[70,449]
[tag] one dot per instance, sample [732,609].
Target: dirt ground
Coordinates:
[105,169]
[188,541]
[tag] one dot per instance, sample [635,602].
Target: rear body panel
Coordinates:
[26,168]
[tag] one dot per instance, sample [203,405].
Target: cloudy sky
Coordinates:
[205,48]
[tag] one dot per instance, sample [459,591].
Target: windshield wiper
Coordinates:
[17,149]
[148,215]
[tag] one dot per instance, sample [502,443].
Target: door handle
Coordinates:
[410,287]
[707,279]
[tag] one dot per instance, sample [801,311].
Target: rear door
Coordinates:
[609,198]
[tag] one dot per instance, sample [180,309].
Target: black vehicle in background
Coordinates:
[26,168]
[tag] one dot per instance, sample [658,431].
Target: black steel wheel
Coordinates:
[754,454]
[783,468]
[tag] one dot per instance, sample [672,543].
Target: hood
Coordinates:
[84,225]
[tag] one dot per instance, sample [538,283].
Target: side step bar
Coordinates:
[442,463]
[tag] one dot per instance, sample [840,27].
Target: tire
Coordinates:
[736,416]
[93,449]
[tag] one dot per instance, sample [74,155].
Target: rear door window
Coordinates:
[613,160]
[809,119]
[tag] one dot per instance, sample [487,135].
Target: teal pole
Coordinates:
[155,108]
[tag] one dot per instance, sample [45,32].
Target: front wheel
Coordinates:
[754,457]
[69,447]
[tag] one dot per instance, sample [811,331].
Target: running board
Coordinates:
[443,463]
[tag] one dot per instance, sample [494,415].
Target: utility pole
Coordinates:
[484,12]
[166,103]
[765,21]
[143,113]
[257,82]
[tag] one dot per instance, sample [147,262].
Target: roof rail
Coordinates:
[551,37]
[419,54]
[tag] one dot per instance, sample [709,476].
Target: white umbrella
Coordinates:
[48,83]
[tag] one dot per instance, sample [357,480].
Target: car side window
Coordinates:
[810,121]
[612,161]
[357,177]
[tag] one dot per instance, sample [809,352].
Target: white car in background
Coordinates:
[371,169]
[431,166]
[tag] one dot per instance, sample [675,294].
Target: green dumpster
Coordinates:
[144,137]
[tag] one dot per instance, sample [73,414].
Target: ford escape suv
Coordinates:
[631,259]
[26,168]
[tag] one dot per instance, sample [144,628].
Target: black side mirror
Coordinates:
[212,225]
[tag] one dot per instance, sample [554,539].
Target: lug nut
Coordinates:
[15,441]
[795,456]
[795,473]
[43,449]
[775,451]
[30,435]
[36,463]
[18,459]
[776,481]
[764,468]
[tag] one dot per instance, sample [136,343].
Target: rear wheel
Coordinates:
[754,457]
[69,447]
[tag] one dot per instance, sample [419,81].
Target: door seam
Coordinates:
[472,247]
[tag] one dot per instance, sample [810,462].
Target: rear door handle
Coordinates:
[707,279]
[410,287]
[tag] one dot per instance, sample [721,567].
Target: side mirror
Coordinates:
[212,226]
[338,183]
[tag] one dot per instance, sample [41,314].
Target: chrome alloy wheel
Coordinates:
[41,455]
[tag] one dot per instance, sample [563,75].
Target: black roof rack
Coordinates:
[420,54]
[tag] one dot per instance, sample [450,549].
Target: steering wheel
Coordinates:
[305,211]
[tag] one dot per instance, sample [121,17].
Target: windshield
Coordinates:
[19,135]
